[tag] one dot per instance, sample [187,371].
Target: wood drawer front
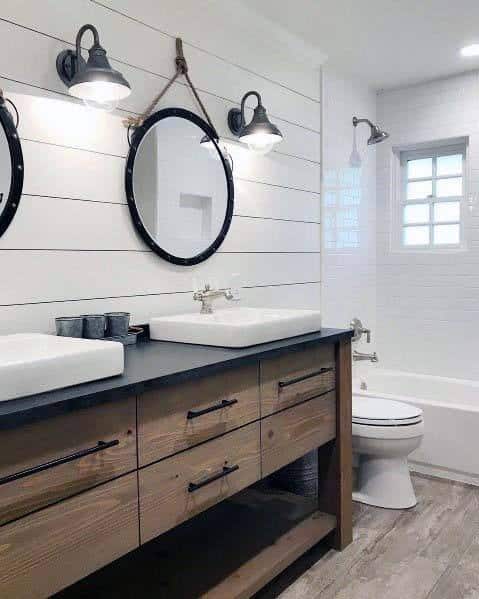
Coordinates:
[173,418]
[295,377]
[166,498]
[74,437]
[53,548]
[288,435]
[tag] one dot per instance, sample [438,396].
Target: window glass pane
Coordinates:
[416,213]
[419,190]
[446,234]
[449,187]
[447,211]
[416,235]
[418,169]
[449,165]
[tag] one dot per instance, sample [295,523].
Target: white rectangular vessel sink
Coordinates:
[237,327]
[32,363]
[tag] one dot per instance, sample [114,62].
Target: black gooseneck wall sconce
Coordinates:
[260,134]
[94,81]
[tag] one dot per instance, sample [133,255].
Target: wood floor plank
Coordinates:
[460,581]
[397,554]
[327,576]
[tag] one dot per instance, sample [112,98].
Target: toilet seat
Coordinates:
[374,411]
[388,432]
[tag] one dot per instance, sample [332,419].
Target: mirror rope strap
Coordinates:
[181,69]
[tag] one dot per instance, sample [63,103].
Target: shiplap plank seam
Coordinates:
[212,54]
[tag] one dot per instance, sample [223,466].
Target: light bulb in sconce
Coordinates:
[260,134]
[95,81]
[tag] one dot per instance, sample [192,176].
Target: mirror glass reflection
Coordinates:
[180,187]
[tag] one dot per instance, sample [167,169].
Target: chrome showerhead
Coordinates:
[377,134]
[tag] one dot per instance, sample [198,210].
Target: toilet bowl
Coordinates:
[385,432]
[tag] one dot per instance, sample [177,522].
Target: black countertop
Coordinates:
[151,364]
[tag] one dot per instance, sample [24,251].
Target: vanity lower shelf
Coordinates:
[230,550]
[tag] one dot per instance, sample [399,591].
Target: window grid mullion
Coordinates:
[431,204]
[432,199]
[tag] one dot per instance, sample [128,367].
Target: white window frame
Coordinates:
[399,195]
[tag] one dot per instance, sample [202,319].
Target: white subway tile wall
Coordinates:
[428,302]
[72,248]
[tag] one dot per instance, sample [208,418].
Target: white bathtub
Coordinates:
[450,448]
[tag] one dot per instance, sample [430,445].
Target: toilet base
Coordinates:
[384,482]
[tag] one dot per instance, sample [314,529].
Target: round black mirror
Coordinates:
[11,166]
[179,186]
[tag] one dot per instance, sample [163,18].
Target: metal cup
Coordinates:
[69,326]
[117,324]
[94,326]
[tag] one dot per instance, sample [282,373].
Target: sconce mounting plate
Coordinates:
[235,121]
[65,65]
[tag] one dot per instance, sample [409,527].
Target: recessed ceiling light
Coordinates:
[472,50]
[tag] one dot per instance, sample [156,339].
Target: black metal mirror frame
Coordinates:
[137,137]
[16,176]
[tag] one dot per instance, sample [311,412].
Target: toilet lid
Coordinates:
[384,412]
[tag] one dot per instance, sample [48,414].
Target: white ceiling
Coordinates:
[388,43]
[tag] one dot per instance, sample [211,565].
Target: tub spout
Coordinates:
[358,356]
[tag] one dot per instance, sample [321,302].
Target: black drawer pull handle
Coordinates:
[299,379]
[224,472]
[100,446]
[223,404]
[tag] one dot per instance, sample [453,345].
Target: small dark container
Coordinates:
[117,324]
[94,326]
[300,477]
[69,326]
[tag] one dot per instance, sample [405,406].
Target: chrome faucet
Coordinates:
[359,357]
[207,295]
[357,326]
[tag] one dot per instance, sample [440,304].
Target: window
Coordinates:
[432,193]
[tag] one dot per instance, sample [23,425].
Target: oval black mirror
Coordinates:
[179,186]
[11,166]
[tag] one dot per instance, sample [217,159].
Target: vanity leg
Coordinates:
[335,458]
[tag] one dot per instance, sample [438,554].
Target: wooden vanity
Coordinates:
[89,475]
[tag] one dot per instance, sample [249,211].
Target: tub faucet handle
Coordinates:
[357,326]
[360,357]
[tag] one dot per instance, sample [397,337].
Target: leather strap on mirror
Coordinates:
[181,69]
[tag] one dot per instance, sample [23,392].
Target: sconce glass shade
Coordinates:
[95,82]
[260,134]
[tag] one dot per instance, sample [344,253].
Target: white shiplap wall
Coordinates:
[71,248]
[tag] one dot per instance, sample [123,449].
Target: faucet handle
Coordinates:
[357,326]
[235,294]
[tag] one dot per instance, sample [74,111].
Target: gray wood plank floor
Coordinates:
[428,552]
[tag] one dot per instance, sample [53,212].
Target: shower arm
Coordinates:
[356,122]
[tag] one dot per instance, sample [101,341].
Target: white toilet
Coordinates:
[385,432]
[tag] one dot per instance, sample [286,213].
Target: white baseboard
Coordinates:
[438,472]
